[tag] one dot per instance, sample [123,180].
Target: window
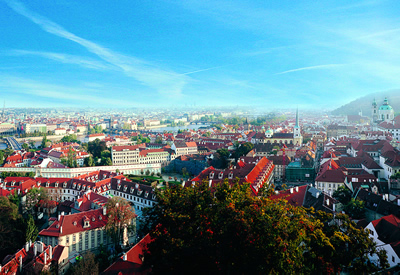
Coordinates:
[393,259]
[80,241]
[67,240]
[73,238]
[86,240]
[98,237]
[92,241]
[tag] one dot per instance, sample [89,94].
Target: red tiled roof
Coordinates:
[73,223]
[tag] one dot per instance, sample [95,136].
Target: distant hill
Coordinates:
[365,103]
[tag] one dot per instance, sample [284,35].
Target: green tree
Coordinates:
[15,198]
[343,195]
[33,197]
[25,146]
[355,209]
[120,220]
[12,228]
[71,158]
[147,172]
[227,230]
[159,140]
[44,141]
[88,162]
[31,230]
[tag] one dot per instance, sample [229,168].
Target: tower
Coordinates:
[374,111]
[297,137]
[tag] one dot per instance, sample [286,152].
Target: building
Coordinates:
[32,128]
[386,234]
[259,172]
[93,137]
[184,148]
[78,232]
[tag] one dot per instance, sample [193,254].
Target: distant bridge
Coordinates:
[13,143]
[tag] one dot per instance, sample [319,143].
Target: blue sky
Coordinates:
[310,54]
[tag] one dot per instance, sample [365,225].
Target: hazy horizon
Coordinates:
[196,53]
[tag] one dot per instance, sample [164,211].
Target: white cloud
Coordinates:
[326,66]
[165,82]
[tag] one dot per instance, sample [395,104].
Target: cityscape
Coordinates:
[152,138]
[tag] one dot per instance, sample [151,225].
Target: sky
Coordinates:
[162,53]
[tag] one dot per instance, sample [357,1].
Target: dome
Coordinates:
[385,106]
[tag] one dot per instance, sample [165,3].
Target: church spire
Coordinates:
[297,117]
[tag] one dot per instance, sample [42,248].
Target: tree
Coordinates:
[147,172]
[88,162]
[44,141]
[227,230]
[12,228]
[220,159]
[25,146]
[159,140]
[342,194]
[71,158]
[86,265]
[69,138]
[31,230]
[120,220]
[355,209]
[33,197]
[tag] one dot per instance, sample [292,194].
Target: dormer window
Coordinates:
[119,186]
[119,181]
[100,218]
[74,185]
[83,187]
[86,222]
[93,219]
[75,223]
[12,183]
[56,184]
[137,186]
[132,190]
[79,186]
[230,176]
[38,183]
[220,175]
[211,175]
[47,184]
[146,194]
[125,187]
[139,192]
[65,184]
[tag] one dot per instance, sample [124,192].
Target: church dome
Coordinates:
[385,106]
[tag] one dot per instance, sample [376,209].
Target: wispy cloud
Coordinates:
[68,94]
[164,81]
[326,66]
[68,59]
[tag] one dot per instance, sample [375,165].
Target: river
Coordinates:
[3,146]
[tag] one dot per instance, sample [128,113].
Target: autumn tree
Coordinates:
[120,221]
[227,230]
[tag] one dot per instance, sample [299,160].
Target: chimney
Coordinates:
[59,216]
[27,247]
[327,202]
[125,257]
[34,249]
[60,229]
[104,210]
[50,252]
[0,267]
[209,184]
[291,190]
[334,207]
[20,263]
[317,195]
[30,243]
[45,258]
[297,189]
